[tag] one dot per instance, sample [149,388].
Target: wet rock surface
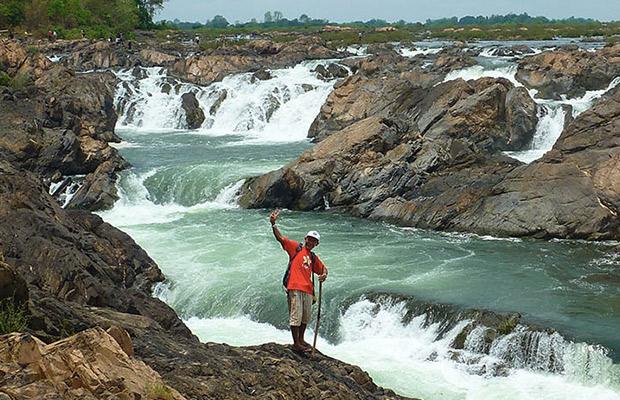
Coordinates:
[193,113]
[569,71]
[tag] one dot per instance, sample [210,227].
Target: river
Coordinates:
[224,267]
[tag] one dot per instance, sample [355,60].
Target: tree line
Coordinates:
[275,19]
[97,17]
[504,19]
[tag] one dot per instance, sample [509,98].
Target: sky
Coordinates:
[389,10]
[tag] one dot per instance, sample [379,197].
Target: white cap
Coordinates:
[314,234]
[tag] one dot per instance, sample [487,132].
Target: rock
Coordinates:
[337,71]
[255,56]
[12,56]
[322,72]
[218,102]
[89,365]
[193,113]
[265,47]
[521,118]
[152,57]
[489,108]
[12,285]
[570,72]
[262,75]
[355,98]
[72,256]
[98,192]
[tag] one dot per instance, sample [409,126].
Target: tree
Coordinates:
[277,16]
[304,19]
[268,17]
[146,10]
[218,22]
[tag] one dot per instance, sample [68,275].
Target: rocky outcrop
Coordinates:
[255,56]
[89,365]
[507,115]
[193,113]
[59,123]
[571,192]
[430,158]
[75,256]
[570,71]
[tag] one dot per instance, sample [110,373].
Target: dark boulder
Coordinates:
[193,113]
[262,75]
[12,285]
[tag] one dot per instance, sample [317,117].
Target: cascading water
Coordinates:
[551,114]
[225,268]
[239,105]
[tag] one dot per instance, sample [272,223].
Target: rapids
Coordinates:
[397,299]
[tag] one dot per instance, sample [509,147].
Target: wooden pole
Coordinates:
[318,318]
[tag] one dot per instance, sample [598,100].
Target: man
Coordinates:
[299,288]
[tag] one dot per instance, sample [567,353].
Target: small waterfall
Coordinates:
[481,342]
[479,71]
[147,98]
[276,108]
[551,117]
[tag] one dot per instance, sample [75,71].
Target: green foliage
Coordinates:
[5,80]
[11,12]
[159,391]
[13,317]
[67,15]
[20,81]
[503,19]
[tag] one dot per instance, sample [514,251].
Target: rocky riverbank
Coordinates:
[93,330]
[398,144]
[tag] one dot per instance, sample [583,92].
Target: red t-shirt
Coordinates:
[300,278]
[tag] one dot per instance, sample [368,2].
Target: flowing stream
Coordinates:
[394,299]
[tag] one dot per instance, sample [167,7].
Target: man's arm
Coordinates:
[276,232]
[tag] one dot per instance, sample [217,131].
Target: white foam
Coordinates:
[583,103]
[548,129]
[276,110]
[478,71]
[410,359]
[407,52]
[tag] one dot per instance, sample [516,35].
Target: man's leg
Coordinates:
[295,315]
[302,331]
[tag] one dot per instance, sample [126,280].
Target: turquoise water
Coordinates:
[224,264]
[224,271]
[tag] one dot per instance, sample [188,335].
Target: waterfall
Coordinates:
[271,110]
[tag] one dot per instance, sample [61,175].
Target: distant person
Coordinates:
[11,36]
[197,40]
[299,286]
[54,36]
[49,35]
[359,37]
[83,33]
